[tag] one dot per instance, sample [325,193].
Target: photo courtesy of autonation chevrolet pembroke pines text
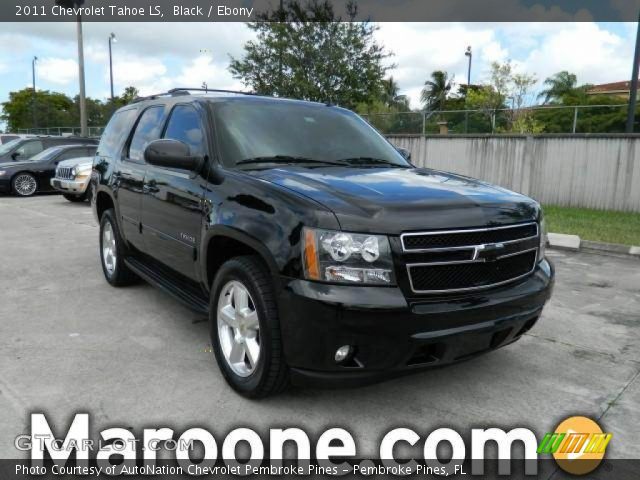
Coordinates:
[320,239]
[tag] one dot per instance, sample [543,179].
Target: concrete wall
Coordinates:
[594,171]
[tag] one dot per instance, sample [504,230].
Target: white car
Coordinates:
[72,178]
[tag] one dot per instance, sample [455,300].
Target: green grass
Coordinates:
[596,225]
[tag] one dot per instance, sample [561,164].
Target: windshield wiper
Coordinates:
[371,161]
[285,159]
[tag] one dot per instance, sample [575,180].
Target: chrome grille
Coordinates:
[64,173]
[469,259]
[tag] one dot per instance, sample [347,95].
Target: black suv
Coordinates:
[318,251]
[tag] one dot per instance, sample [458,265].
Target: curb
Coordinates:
[574,243]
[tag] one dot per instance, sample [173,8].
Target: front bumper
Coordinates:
[73,187]
[392,336]
[5,185]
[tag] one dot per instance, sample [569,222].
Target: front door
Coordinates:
[131,171]
[172,201]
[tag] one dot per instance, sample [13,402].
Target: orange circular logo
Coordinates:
[581,445]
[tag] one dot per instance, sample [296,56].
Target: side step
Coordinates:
[155,277]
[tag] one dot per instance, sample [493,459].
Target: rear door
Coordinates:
[172,202]
[131,172]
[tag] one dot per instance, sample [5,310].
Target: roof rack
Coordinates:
[176,92]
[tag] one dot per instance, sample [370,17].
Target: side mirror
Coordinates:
[15,155]
[170,154]
[404,152]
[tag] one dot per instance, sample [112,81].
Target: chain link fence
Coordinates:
[62,131]
[547,119]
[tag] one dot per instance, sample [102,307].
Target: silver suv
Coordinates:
[73,177]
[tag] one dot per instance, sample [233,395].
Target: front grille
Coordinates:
[64,173]
[471,259]
[470,275]
[459,238]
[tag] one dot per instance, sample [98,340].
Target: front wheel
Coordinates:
[24,184]
[245,329]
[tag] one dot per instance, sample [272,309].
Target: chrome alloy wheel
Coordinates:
[238,328]
[109,248]
[25,185]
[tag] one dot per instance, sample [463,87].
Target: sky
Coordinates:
[155,57]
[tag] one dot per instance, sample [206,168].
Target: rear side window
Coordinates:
[147,130]
[30,149]
[184,125]
[115,133]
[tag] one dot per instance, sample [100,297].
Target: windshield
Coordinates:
[45,154]
[255,132]
[7,147]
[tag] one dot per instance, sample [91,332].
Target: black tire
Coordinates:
[19,180]
[120,275]
[74,198]
[271,373]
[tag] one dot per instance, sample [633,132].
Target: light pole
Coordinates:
[33,73]
[633,91]
[112,39]
[467,53]
[83,102]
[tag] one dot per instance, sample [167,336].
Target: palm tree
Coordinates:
[435,91]
[390,92]
[558,85]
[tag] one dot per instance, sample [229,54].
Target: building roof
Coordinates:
[613,87]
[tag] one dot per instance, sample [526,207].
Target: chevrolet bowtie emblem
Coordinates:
[488,253]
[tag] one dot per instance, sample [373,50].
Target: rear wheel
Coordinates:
[245,329]
[24,184]
[112,250]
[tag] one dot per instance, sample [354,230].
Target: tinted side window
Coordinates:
[115,132]
[72,153]
[184,125]
[148,129]
[29,149]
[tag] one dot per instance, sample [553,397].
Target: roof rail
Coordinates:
[176,92]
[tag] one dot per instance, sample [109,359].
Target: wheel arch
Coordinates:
[223,243]
[104,201]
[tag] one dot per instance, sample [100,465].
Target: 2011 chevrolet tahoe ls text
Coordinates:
[319,252]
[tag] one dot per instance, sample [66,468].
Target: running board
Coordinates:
[187,296]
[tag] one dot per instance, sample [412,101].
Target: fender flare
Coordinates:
[242,237]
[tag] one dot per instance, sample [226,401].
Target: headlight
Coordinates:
[2,173]
[340,257]
[543,239]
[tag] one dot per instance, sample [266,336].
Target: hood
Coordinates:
[394,200]
[75,162]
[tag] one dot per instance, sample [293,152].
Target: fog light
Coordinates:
[343,353]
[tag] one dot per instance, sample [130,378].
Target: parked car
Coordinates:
[27,147]
[26,177]
[72,178]
[320,253]
[7,137]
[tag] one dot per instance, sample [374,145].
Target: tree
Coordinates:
[306,52]
[390,95]
[558,86]
[436,90]
[51,108]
